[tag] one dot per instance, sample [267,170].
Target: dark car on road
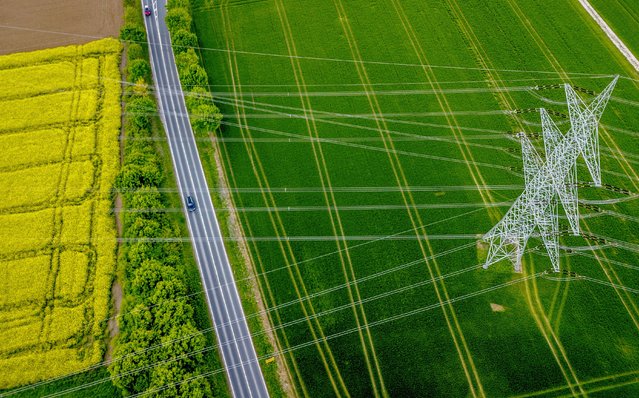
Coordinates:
[147,11]
[190,203]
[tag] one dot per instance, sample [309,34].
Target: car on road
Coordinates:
[147,11]
[190,203]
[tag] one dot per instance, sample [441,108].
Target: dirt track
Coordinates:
[27,25]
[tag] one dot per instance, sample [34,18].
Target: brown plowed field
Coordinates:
[27,25]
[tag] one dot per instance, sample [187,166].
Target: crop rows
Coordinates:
[327,103]
[60,120]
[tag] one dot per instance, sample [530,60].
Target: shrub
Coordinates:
[134,51]
[183,40]
[194,75]
[184,60]
[138,69]
[133,33]
[178,19]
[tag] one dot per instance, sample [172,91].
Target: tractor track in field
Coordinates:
[625,165]
[366,340]
[508,102]
[299,286]
[433,269]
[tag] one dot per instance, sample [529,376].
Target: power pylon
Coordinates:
[551,182]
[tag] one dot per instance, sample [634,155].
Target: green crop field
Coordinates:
[59,125]
[623,17]
[369,144]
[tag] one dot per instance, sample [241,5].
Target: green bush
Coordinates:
[205,116]
[134,176]
[138,110]
[185,59]
[183,40]
[138,69]
[178,19]
[133,33]
[193,76]
[134,51]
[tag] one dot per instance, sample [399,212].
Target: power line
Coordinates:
[333,336]
[403,266]
[325,59]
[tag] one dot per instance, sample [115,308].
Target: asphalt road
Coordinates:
[236,346]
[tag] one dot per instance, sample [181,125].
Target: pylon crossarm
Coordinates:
[550,182]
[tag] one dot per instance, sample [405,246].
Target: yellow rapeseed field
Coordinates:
[59,126]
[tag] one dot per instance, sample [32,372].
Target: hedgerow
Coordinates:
[156,310]
[205,115]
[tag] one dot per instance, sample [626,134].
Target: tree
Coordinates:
[171,312]
[134,176]
[178,18]
[183,40]
[125,372]
[185,59]
[138,69]
[184,338]
[134,51]
[148,275]
[147,198]
[205,116]
[167,290]
[142,227]
[138,109]
[132,32]
[194,75]
[141,251]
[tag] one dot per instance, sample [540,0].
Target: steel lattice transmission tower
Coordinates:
[551,182]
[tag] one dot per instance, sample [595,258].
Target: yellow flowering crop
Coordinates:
[59,127]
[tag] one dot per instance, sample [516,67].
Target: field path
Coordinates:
[611,34]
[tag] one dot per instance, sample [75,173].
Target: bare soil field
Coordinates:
[27,25]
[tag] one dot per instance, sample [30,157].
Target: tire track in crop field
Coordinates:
[463,145]
[632,375]
[286,377]
[233,68]
[254,257]
[541,318]
[541,44]
[58,199]
[448,310]
[503,98]
[609,271]
[444,105]
[507,101]
[288,256]
[366,340]
[554,313]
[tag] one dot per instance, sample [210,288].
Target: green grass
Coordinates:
[416,354]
